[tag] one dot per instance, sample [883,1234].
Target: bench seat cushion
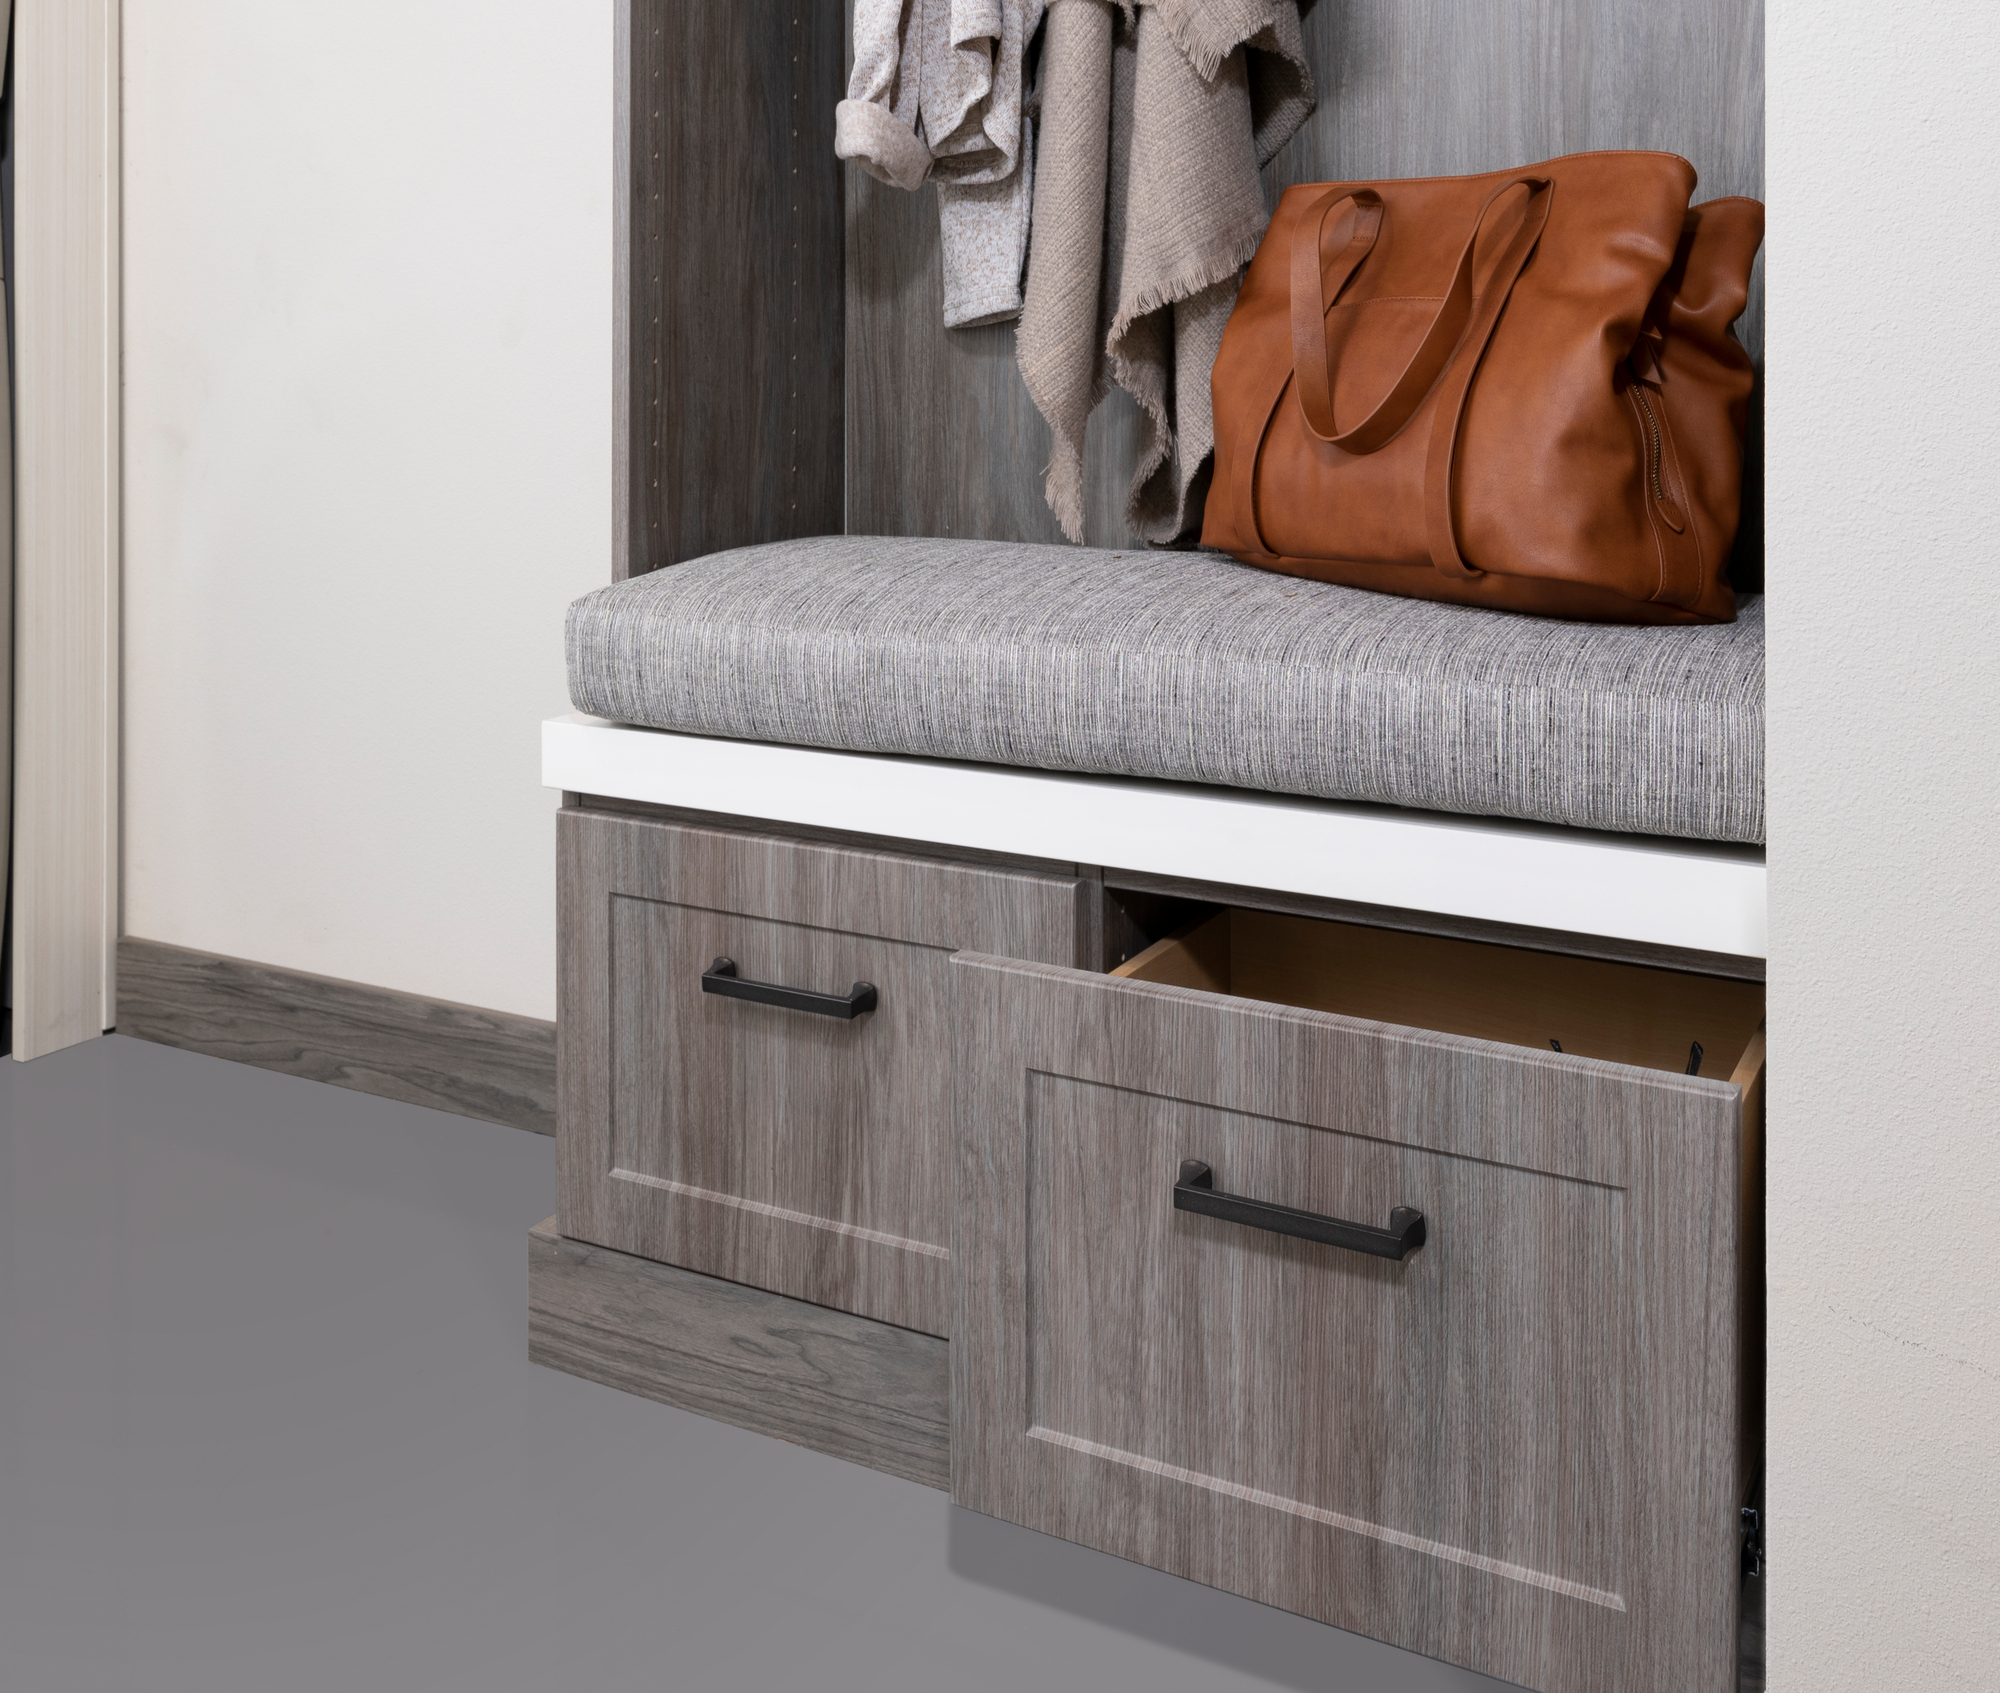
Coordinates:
[1189,667]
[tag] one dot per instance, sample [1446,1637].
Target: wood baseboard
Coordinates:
[858,1389]
[487,1064]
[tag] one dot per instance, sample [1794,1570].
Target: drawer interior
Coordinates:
[1627,1013]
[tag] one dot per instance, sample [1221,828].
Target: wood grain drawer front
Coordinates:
[1515,1449]
[801,1153]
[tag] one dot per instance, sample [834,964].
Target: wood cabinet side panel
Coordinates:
[583,1029]
[1751,1266]
[731,332]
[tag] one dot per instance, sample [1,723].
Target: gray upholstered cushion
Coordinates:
[1191,667]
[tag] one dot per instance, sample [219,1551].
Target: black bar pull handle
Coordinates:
[1195,1191]
[720,977]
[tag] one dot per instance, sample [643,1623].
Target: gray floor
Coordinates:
[267,1423]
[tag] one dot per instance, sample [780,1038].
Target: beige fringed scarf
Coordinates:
[1147,206]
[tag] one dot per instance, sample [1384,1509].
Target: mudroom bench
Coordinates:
[1028,1025]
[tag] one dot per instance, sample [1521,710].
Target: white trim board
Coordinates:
[67,346]
[1702,896]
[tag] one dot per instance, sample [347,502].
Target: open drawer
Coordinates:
[1293,1259]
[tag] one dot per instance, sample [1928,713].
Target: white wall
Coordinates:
[1884,430]
[368,290]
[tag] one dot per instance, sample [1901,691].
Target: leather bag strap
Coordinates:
[1457,388]
[1314,293]
[1243,477]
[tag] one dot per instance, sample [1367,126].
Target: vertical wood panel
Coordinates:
[1427,88]
[7,467]
[624,472]
[66,579]
[943,440]
[731,316]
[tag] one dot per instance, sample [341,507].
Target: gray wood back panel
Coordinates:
[941,436]
[729,334]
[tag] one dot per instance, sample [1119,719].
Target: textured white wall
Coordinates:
[368,461]
[1884,475]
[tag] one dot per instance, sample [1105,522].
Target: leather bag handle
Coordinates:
[1454,341]
[1457,389]
[1315,292]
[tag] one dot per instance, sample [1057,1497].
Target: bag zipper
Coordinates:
[1668,508]
[1652,425]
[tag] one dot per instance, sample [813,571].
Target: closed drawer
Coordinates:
[1521,1446]
[767,1143]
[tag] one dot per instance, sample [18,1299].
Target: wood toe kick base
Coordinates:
[840,1384]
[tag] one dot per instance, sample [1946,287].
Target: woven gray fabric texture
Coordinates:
[1189,667]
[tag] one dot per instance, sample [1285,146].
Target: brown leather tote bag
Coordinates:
[1516,390]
